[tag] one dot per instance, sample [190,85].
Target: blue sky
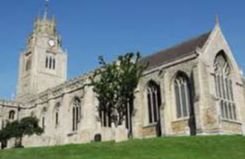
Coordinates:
[90,28]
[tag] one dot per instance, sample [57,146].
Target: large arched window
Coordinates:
[76,113]
[224,91]
[182,95]
[154,102]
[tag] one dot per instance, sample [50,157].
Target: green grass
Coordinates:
[208,147]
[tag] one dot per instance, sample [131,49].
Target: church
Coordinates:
[193,88]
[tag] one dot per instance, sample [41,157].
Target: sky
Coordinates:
[90,28]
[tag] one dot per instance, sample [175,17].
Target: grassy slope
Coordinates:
[211,147]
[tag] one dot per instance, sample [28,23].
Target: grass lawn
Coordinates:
[208,147]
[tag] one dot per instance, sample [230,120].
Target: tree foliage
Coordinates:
[115,84]
[18,129]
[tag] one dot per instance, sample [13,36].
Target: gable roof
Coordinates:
[177,52]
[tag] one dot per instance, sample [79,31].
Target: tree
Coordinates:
[115,84]
[18,129]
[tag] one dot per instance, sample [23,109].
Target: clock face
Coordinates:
[51,43]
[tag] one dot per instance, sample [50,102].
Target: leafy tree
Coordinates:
[115,84]
[18,129]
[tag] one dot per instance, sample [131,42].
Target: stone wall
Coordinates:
[149,131]
[180,127]
[230,127]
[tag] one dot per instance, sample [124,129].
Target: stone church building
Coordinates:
[193,88]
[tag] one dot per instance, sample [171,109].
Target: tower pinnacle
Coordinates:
[45,15]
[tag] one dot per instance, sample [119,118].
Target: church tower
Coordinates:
[43,64]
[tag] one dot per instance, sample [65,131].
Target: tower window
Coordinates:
[50,62]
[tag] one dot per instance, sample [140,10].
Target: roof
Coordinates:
[177,52]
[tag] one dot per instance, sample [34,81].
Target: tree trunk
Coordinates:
[18,143]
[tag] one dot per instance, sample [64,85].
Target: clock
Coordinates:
[51,43]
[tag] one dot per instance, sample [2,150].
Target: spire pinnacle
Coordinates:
[45,15]
[217,21]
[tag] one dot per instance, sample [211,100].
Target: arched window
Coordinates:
[223,84]
[182,95]
[56,114]
[76,113]
[154,102]
[12,115]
